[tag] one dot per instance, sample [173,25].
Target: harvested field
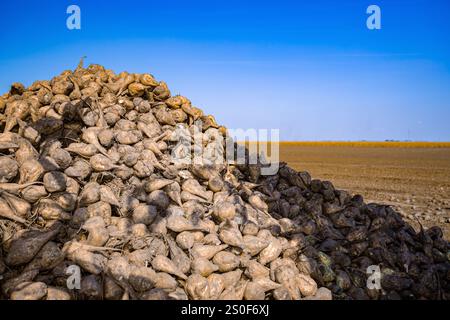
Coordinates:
[413,177]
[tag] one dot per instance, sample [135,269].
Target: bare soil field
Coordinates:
[414,180]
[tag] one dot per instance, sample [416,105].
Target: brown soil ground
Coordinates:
[415,181]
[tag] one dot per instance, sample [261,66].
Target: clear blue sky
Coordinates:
[310,68]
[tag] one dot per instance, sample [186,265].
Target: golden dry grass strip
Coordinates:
[363,144]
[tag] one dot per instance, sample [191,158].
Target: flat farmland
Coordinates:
[414,178]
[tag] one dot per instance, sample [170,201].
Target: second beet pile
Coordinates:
[88,181]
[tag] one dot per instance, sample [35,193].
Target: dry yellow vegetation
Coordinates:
[360,144]
[369,144]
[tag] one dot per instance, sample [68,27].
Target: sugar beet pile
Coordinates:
[87,180]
